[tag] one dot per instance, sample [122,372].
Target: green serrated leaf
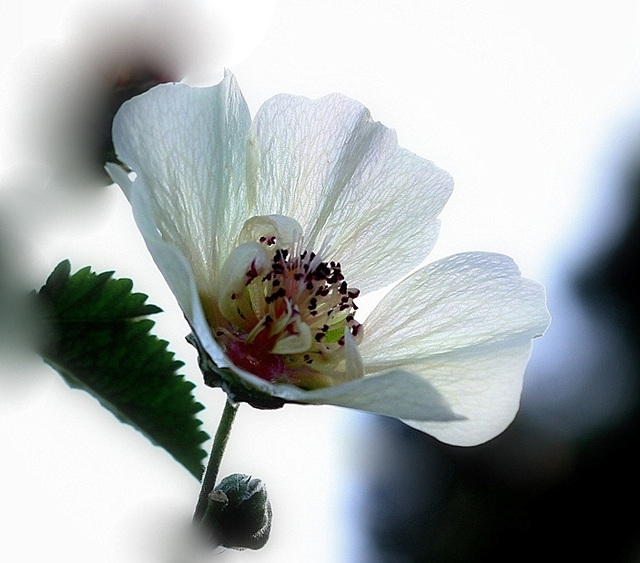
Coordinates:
[100,342]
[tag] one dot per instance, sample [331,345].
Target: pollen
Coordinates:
[287,318]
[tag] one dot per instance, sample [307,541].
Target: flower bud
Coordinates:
[243,512]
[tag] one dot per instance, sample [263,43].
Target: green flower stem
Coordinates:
[217,451]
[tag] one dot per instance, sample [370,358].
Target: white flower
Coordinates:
[267,230]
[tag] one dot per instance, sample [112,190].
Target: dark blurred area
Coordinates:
[76,136]
[130,82]
[552,491]
[72,80]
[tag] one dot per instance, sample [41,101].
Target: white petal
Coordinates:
[353,358]
[178,273]
[397,394]
[187,148]
[483,384]
[344,178]
[461,301]
[464,324]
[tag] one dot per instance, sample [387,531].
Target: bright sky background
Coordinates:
[530,106]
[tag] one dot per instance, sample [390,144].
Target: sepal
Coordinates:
[236,389]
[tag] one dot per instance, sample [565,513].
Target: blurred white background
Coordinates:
[530,106]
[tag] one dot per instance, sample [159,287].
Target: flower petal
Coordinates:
[174,267]
[465,324]
[344,177]
[398,394]
[458,302]
[354,366]
[187,148]
[483,384]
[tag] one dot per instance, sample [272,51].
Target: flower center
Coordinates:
[288,314]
